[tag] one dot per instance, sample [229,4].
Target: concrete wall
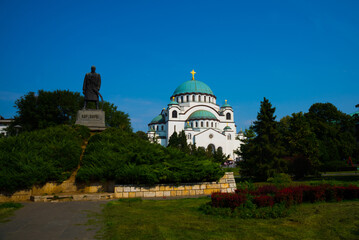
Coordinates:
[225,184]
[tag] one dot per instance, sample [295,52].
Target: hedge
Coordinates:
[128,159]
[40,156]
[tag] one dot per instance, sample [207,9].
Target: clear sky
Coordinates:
[295,53]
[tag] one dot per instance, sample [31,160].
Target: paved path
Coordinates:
[61,220]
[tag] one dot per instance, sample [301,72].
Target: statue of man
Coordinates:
[91,88]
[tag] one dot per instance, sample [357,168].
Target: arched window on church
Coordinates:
[189,136]
[193,98]
[207,124]
[201,124]
[199,98]
[174,114]
[212,124]
[162,128]
[204,98]
[228,116]
[229,137]
[196,124]
[181,99]
[187,98]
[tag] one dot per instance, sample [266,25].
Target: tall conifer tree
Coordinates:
[262,153]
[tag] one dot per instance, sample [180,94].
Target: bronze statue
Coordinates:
[91,88]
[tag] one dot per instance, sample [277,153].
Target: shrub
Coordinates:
[227,200]
[129,159]
[263,201]
[266,189]
[38,157]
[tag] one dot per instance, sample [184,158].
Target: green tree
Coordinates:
[335,132]
[301,144]
[179,141]
[142,135]
[262,154]
[51,108]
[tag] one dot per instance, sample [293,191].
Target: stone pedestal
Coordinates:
[92,118]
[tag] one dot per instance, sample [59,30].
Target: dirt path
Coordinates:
[62,220]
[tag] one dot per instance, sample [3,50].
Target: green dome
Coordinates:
[226,105]
[192,86]
[202,114]
[173,103]
[227,128]
[158,119]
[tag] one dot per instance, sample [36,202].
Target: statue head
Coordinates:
[93,69]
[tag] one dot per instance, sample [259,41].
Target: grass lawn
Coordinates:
[7,209]
[181,219]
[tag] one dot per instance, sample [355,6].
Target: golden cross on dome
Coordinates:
[193,73]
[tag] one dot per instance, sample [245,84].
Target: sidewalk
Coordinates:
[61,220]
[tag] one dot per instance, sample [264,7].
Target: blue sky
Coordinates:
[295,53]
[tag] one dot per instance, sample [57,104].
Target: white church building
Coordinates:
[193,108]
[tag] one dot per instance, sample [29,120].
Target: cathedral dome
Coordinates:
[201,115]
[158,119]
[192,86]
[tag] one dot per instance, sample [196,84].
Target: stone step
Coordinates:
[72,197]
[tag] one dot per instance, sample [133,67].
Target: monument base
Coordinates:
[92,118]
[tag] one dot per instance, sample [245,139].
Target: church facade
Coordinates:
[193,108]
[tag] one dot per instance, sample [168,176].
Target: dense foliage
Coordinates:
[324,139]
[40,156]
[179,141]
[129,159]
[52,108]
[263,151]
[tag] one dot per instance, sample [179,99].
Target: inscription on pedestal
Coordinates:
[91,118]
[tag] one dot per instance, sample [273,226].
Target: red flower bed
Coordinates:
[231,200]
[263,201]
[269,195]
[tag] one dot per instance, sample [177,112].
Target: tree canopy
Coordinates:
[51,108]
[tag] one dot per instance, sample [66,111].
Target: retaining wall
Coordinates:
[225,184]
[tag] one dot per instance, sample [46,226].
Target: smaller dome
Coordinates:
[173,103]
[202,114]
[227,128]
[226,105]
[158,119]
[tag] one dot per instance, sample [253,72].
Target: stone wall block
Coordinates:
[199,192]
[135,189]
[149,194]
[132,194]
[173,193]
[166,193]
[195,187]
[192,192]
[127,189]
[139,194]
[118,195]
[118,189]
[187,187]
[125,195]
[159,194]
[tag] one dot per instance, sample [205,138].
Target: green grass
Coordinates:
[181,219]
[7,209]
